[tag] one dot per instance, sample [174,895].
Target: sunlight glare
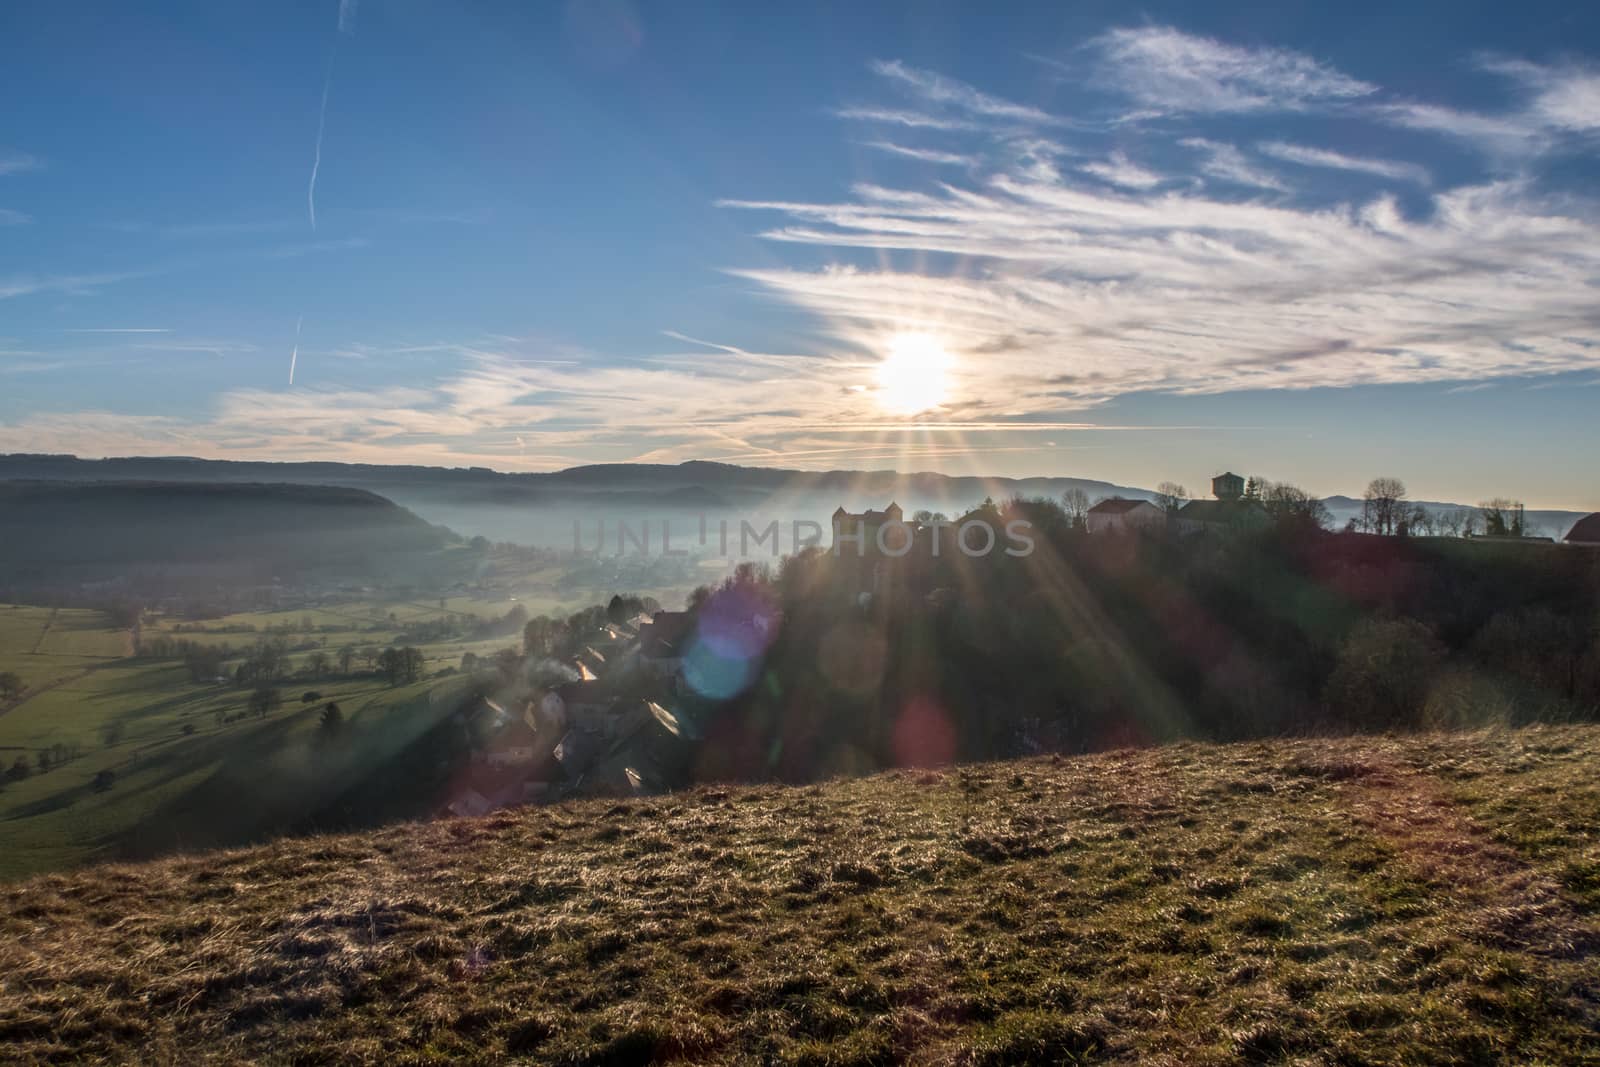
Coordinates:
[913,375]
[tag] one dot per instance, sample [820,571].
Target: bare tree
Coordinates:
[1075,502]
[1502,518]
[1291,505]
[1383,506]
[1170,496]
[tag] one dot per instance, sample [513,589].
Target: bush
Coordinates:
[1386,669]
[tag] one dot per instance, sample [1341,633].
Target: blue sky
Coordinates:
[1134,243]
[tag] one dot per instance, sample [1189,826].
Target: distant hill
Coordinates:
[539,508]
[64,530]
[1428,899]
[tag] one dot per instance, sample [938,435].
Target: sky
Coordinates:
[1312,242]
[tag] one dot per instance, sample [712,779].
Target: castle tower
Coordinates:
[1227,486]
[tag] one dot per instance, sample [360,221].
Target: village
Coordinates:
[619,717]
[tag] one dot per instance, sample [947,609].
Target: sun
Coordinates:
[914,374]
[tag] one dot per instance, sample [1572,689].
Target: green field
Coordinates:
[44,645]
[164,738]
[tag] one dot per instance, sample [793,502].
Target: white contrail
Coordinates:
[316,158]
[294,355]
[347,24]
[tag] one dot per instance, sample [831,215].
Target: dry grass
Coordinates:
[1417,901]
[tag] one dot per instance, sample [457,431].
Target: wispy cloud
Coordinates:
[1119,170]
[910,119]
[347,15]
[9,217]
[925,155]
[941,91]
[80,284]
[18,162]
[186,230]
[1560,103]
[1073,293]
[1227,163]
[118,329]
[1564,98]
[1169,72]
[1307,156]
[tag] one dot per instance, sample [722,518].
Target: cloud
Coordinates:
[910,119]
[1227,163]
[1119,170]
[79,284]
[1496,133]
[1170,72]
[1565,98]
[1560,103]
[347,15]
[1307,156]
[941,91]
[13,218]
[1068,294]
[118,329]
[925,155]
[18,162]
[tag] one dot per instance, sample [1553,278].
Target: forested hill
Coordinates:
[727,481]
[55,529]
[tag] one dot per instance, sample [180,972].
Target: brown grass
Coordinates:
[1407,901]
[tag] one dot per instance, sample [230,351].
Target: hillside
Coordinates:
[1432,899]
[60,531]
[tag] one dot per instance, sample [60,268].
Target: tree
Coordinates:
[1170,496]
[111,733]
[317,664]
[1502,518]
[1252,488]
[332,720]
[1382,506]
[537,636]
[401,666]
[469,662]
[20,769]
[11,685]
[1290,505]
[1075,502]
[104,780]
[347,656]
[265,700]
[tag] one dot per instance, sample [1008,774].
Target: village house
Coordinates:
[1119,516]
[1586,532]
[663,641]
[514,744]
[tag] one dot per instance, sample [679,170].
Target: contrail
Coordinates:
[294,356]
[316,158]
[347,24]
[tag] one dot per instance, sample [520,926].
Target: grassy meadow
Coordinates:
[165,739]
[1430,899]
